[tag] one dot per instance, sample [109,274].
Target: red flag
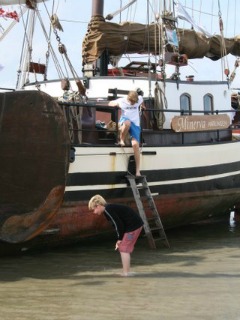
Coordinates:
[9,14]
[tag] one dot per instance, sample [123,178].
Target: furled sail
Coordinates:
[130,37]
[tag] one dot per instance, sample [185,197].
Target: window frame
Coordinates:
[210,96]
[183,110]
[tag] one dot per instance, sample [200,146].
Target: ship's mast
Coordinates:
[102,63]
[97,7]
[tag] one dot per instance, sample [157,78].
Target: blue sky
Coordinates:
[80,12]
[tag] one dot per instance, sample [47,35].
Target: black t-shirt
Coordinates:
[123,218]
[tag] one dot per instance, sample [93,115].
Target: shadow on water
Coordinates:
[190,246]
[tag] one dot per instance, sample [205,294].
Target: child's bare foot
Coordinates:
[127,274]
[122,143]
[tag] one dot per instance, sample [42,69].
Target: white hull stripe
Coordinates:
[158,183]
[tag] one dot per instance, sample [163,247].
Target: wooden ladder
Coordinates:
[152,225]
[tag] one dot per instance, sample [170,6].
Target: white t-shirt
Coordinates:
[130,111]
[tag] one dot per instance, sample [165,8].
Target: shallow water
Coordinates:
[197,278]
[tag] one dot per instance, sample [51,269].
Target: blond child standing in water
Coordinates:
[127,223]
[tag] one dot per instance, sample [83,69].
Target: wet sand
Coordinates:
[197,278]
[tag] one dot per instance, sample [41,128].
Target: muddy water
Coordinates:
[197,278]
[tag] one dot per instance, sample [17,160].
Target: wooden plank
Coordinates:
[200,123]
[37,68]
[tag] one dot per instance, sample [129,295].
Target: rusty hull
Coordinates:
[34,158]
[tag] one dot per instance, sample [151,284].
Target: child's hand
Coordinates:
[117,244]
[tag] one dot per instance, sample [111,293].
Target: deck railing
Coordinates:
[95,123]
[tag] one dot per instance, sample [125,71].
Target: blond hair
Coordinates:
[95,200]
[132,97]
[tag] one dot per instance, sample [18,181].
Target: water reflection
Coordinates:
[232,220]
[199,273]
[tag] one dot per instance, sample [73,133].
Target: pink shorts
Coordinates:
[129,240]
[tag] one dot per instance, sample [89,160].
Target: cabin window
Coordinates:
[185,103]
[208,104]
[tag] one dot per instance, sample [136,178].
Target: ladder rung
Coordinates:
[151,219]
[156,229]
[151,207]
[160,239]
[131,177]
[142,187]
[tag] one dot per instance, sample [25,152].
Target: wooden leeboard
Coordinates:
[200,123]
[34,160]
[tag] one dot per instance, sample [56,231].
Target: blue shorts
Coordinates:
[134,130]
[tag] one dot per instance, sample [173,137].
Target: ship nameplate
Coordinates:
[200,122]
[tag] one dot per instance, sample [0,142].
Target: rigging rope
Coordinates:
[111,15]
[54,57]
[223,45]
[26,47]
